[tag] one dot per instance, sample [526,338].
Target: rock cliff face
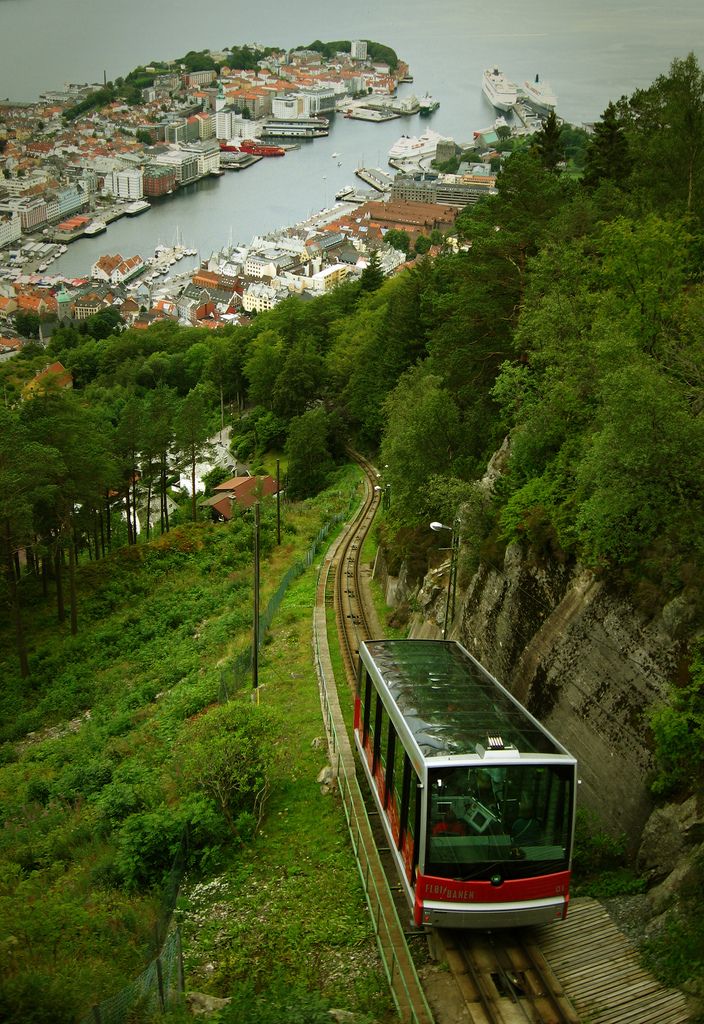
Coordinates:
[580,658]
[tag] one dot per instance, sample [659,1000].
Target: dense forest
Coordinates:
[566,314]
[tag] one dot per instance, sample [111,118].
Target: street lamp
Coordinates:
[452,582]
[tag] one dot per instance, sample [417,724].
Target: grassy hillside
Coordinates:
[111,753]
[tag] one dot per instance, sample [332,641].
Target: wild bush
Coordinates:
[678,730]
[147,845]
[229,754]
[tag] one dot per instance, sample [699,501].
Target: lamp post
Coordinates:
[255,624]
[452,582]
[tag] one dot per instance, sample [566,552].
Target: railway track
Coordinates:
[497,981]
[350,599]
[503,978]
[499,977]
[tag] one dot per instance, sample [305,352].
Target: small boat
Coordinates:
[96,227]
[335,155]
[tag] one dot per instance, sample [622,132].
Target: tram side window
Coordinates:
[379,717]
[367,697]
[399,800]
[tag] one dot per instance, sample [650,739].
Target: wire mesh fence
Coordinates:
[156,989]
[238,670]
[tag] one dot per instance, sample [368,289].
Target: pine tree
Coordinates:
[372,275]
[547,143]
[608,157]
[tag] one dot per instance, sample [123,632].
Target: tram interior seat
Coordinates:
[469,810]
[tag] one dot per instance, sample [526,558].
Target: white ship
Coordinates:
[137,207]
[410,147]
[500,92]
[96,227]
[540,95]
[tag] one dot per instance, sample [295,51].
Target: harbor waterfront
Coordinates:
[589,58]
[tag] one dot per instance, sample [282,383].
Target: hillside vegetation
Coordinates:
[568,315]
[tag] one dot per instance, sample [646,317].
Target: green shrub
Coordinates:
[281,1002]
[83,778]
[36,998]
[678,730]
[228,754]
[595,850]
[117,801]
[147,845]
[677,953]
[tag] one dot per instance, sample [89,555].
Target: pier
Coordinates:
[378,179]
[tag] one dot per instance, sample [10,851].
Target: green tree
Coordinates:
[80,476]
[372,275]
[263,365]
[607,156]
[423,435]
[25,469]
[159,440]
[27,324]
[547,143]
[666,134]
[422,245]
[641,476]
[192,429]
[398,240]
[308,453]
[299,382]
[128,442]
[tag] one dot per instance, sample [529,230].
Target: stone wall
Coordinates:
[581,658]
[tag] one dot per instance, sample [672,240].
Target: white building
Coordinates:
[184,164]
[127,184]
[229,124]
[291,106]
[10,229]
[207,153]
[358,50]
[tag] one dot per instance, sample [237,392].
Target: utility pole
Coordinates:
[255,625]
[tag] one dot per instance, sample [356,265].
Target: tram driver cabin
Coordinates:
[476,798]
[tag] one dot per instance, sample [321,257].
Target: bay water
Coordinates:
[590,51]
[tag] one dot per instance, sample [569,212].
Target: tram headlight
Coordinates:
[497,880]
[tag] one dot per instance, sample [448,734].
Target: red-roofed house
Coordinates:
[55,375]
[240,491]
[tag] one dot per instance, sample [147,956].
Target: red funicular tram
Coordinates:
[477,799]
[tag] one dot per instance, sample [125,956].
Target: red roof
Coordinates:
[246,490]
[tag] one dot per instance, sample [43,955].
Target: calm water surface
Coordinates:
[591,51]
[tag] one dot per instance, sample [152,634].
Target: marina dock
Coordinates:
[378,179]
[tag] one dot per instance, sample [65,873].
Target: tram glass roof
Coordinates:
[449,702]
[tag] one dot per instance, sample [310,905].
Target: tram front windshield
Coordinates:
[514,819]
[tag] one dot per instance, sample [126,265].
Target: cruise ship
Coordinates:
[412,148]
[500,92]
[539,95]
